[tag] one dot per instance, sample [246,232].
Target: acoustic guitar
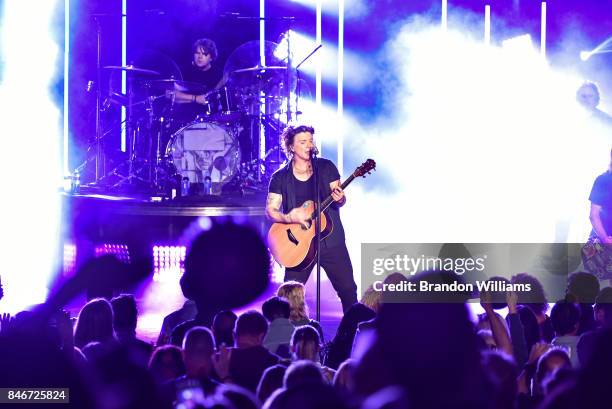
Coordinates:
[293,244]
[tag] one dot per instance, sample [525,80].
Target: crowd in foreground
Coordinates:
[417,354]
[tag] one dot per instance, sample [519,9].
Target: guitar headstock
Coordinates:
[365,168]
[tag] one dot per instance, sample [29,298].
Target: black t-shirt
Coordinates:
[304,190]
[248,364]
[295,193]
[601,195]
[186,113]
[209,78]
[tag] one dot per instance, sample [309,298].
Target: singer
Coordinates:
[292,185]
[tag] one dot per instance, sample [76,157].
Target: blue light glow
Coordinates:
[543,31]
[123,73]
[31,124]
[66,130]
[340,132]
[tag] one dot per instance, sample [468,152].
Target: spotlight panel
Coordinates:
[120,251]
[168,262]
[69,259]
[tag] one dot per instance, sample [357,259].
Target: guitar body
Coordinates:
[293,245]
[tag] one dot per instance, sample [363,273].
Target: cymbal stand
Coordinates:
[134,131]
[158,148]
[100,159]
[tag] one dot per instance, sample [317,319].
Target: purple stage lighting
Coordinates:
[69,259]
[168,262]
[120,251]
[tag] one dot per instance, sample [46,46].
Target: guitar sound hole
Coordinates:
[291,237]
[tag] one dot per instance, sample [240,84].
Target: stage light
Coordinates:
[120,251]
[70,255]
[358,72]
[603,48]
[32,137]
[585,55]
[444,16]
[340,131]
[262,62]
[168,263]
[123,73]
[543,30]
[205,223]
[487,32]
[354,8]
[66,131]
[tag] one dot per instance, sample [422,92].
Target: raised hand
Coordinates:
[221,362]
[5,322]
[486,301]
[511,300]
[537,350]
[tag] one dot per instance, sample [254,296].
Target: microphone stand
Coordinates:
[297,85]
[288,72]
[315,172]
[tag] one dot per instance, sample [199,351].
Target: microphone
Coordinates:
[314,151]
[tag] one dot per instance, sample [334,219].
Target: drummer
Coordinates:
[202,70]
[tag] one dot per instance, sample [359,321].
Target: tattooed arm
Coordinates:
[274,213]
[273,209]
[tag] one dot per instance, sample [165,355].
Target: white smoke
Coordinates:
[477,144]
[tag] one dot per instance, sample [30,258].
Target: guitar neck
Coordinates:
[329,200]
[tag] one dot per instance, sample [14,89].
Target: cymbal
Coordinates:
[259,68]
[131,68]
[170,84]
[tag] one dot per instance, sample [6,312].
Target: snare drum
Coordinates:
[224,104]
[202,149]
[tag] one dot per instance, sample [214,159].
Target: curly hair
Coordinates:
[207,45]
[286,138]
[534,299]
[293,291]
[593,86]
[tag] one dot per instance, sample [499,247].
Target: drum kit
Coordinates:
[231,140]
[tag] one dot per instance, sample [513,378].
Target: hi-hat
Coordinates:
[131,68]
[260,69]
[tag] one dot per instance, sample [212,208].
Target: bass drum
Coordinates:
[202,149]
